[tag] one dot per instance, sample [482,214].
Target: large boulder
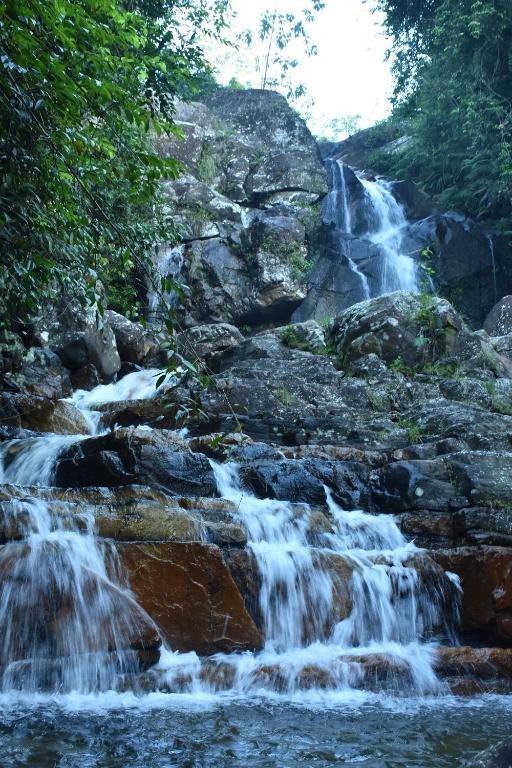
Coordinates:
[417,204]
[31,370]
[274,146]
[47,608]
[202,210]
[255,274]
[244,152]
[249,145]
[499,320]
[467,264]
[402,327]
[333,284]
[80,339]
[41,414]
[208,342]
[235,283]
[129,513]
[409,485]
[132,455]
[486,580]
[134,343]
[188,590]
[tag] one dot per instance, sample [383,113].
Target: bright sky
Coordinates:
[349,76]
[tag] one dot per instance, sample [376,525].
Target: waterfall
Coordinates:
[67,625]
[342,607]
[67,621]
[394,613]
[385,227]
[386,230]
[168,263]
[493,266]
[31,461]
[336,210]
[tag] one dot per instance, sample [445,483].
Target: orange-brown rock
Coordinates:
[486,579]
[483,663]
[42,414]
[46,608]
[188,590]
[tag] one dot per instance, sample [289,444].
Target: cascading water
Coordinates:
[168,263]
[385,226]
[31,461]
[67,623]
[336,210]
[333,602]
[394,614]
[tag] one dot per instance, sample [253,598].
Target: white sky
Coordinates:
[348,76]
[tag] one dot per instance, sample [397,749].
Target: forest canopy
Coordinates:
[85,84]
[453,65]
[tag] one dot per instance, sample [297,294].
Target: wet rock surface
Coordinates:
[190,593]
[133,455]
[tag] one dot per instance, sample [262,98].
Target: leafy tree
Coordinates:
[410,23]
[277,31]
[85,85]
[456,96]
[339,127]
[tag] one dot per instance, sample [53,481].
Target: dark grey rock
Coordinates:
[499,320]
[134,343]
[128,456]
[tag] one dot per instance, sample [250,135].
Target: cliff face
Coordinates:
[249,202]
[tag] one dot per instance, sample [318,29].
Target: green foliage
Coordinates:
[285,396]
[300,267]
[400,366]
[454,91]
[340,127]
[294,339]
[289,252]
[377,400]
[445,368]
[412,429]
[277,30]
[426,256]
[206,167]
[490,359]
[237,85]
[500,403]
[86,83]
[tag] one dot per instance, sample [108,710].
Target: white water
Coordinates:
[31,461]
[336,210]
[168,263]
[387,229]
[394,612]
[66,625]
[386,226]
[326,599]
